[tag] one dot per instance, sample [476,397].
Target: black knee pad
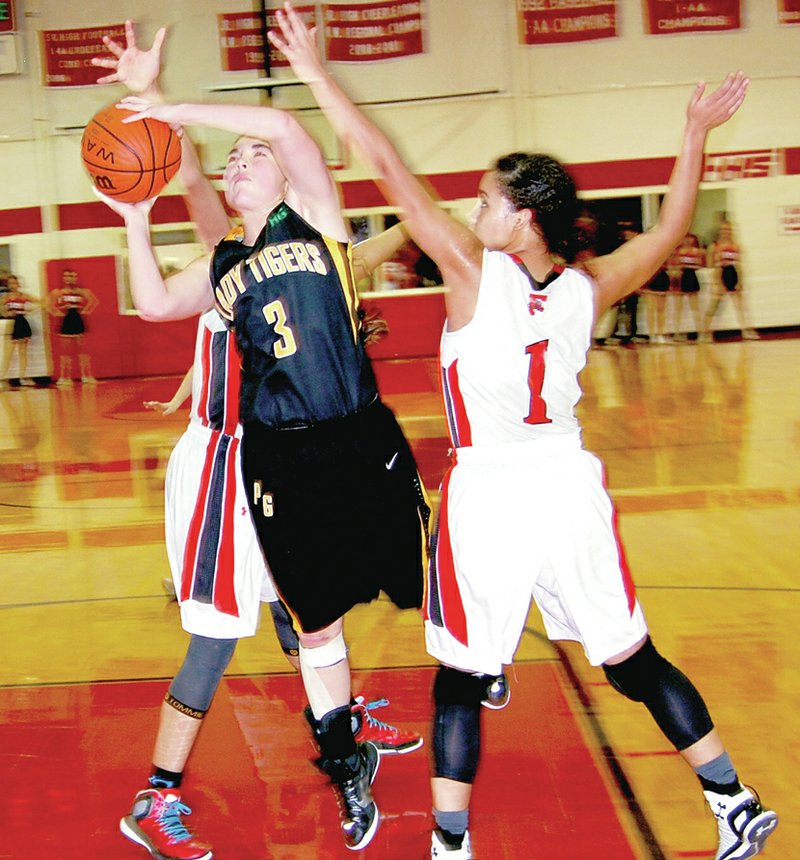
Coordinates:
[452,687]
[672,699]
[636,676]
[202,669]
[456,724]
[287,636]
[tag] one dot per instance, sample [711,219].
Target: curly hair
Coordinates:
[542,184]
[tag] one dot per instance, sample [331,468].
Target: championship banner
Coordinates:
[363,32]
[7,23]
[665,17]
[241,39]
[789,11]
[67,54]
[551,22]
[789,220]
[751,164]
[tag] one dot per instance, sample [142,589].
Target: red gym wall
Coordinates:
[125,345]
[119,344]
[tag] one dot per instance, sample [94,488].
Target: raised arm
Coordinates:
[453,247]
[177,399]
[372,252]
[311,190]
[626,269]
[139,70]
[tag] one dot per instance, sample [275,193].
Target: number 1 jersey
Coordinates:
[511,373]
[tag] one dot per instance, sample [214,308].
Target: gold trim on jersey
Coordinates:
[273,260]
[342,257]
[235,234]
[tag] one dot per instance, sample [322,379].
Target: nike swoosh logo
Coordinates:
[390,463]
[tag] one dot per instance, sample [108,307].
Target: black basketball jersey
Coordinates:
[292,302]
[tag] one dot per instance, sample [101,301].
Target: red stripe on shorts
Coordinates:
[205,377]
[198,517]
[460,431]
[452,606]
[627,578]
[233,382]
[224,593]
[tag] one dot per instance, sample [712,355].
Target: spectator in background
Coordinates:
[3,288]
[627,329]
[724,258]
[690,258]
[586,238]
[409,268]
[73,303]
[15,303]
[657,290]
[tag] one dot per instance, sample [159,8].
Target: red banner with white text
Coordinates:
[789,11]
[67,54]
[665,17]
[241,39]
[363,32]
[550,22]
[7,22]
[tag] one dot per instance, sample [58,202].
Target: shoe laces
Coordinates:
[170,820]
[351,800]
[374,722]
[350,793]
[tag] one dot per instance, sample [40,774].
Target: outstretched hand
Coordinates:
[125,210]
[140,108]
[160,407]
[298,44]
[137,69]
[710,111]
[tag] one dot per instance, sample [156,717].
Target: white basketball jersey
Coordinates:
[216,377]
[511,373]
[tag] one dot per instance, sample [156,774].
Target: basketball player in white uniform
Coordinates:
[524,511]
[207,518]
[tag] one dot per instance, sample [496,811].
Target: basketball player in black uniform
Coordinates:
[333,486]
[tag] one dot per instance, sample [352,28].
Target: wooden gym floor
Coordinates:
[702,445]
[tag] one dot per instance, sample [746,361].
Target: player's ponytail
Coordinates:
[542,184]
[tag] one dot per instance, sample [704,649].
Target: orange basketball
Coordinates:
[130,162]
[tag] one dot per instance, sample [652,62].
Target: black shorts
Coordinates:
[21,329]
[689,282]
[72,324]
[660,283]
[730,278]
[340,513]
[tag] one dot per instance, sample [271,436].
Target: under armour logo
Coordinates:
[721,810]
[536,302]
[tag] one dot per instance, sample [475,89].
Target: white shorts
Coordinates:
[520,521]
[219,572]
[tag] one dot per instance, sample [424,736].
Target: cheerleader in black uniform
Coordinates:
[72,303]
[691,257]
[15,304]
[724,256]
[657,290]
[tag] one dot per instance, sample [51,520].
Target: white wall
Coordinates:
[607,100]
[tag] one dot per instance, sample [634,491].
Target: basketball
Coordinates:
[129,162]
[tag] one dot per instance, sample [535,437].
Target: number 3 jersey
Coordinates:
[292,302]
[511,373]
